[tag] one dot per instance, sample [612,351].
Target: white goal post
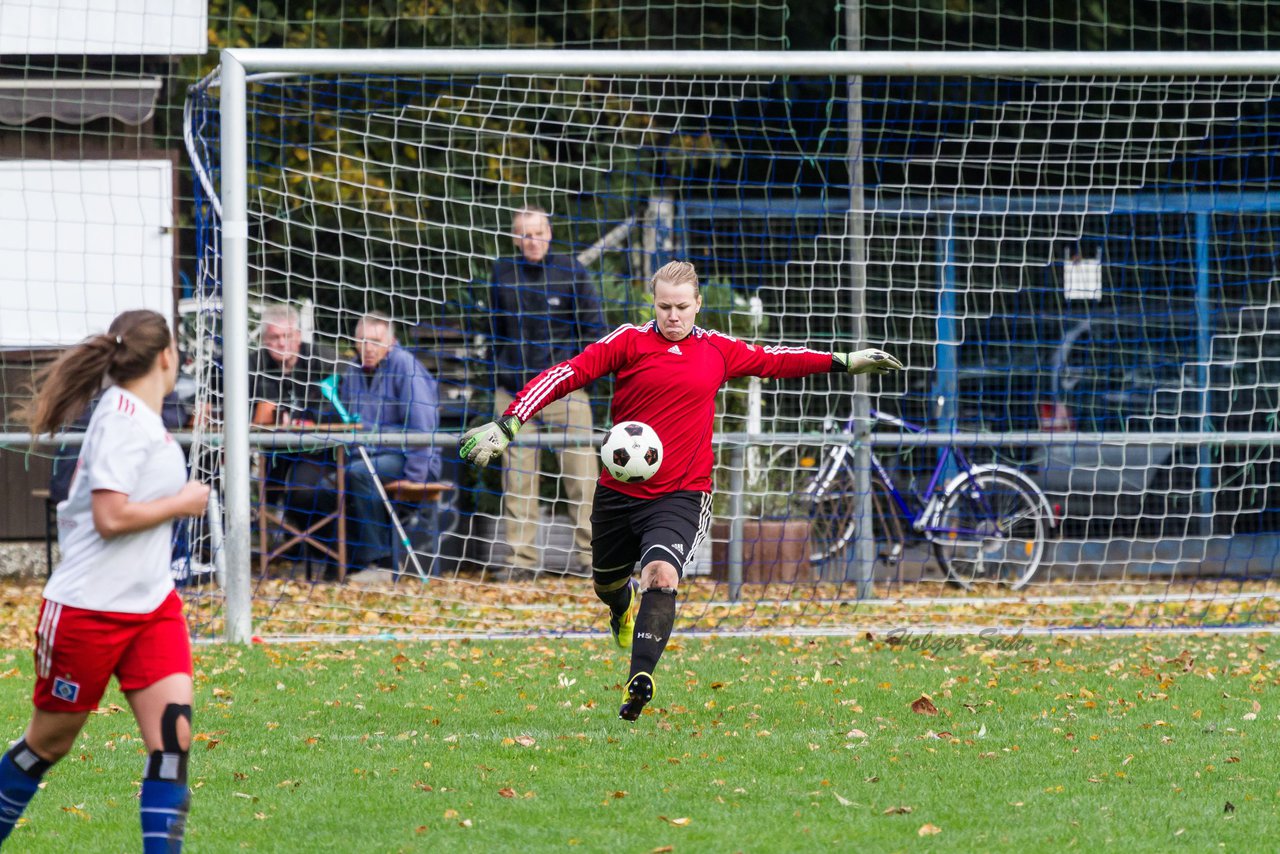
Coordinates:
[239,66]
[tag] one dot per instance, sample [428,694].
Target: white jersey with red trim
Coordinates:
[671,386]
[128,450]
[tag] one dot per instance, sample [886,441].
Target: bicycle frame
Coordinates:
[921,509]
[972,515]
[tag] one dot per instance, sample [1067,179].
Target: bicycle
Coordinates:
[986,522]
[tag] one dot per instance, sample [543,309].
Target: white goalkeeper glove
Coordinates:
[869,361]
[481,445]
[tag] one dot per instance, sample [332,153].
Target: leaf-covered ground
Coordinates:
[815,744]
[294,608]
[567,605]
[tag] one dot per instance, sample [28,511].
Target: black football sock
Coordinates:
[653,628]
[616,592]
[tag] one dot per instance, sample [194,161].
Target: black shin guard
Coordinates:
[170,763]
[27,760]
[653,628]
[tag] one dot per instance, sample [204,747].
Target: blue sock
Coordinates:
[20,773]
[165,797]
[164,816]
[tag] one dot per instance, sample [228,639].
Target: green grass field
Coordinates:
[1144,744]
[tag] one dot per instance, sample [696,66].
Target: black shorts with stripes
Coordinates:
[626,529]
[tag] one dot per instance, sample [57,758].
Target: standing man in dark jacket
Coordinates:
[544,310]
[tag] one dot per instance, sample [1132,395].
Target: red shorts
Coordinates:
[78,650]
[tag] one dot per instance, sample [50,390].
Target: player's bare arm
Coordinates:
[114,514]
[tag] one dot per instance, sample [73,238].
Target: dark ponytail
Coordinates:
[126,352]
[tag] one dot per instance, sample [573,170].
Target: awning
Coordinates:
[130,100]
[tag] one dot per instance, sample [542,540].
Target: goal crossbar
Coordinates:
[684,62]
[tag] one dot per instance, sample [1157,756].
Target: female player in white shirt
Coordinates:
[110,606]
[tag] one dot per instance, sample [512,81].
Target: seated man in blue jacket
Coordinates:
[389,391]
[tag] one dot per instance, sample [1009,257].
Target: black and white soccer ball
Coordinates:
[632,452]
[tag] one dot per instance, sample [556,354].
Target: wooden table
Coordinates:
[407,491]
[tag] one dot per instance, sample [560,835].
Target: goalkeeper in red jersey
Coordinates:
[667,372]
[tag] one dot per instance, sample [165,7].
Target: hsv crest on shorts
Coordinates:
[65,689]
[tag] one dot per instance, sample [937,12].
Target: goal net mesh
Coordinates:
[1053,259]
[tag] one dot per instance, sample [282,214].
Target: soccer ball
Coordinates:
[632,452]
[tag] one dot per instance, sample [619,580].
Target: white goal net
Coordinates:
[1077,269]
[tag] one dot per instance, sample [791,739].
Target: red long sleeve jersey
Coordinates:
[671,386]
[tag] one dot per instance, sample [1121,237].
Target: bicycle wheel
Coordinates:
[829,501]
[834,522]
[990,527]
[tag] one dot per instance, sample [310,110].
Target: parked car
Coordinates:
[1098,374]
[1112,374]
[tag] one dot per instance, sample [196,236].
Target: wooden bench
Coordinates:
[413,492]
